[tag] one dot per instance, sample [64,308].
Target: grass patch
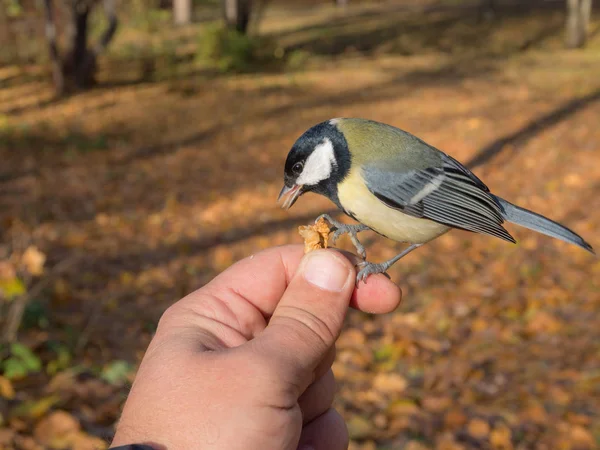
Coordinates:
[231,51]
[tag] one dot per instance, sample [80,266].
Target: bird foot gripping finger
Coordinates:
[367,268]
[350,230]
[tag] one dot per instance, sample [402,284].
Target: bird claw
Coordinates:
[350,230]
[367,268]
[336,235]
[328,218]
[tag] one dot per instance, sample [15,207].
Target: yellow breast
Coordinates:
[369,210]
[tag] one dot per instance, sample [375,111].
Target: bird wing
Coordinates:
[448,193]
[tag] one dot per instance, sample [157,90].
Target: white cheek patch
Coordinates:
[319,164]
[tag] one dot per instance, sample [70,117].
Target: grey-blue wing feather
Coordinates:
[449,194]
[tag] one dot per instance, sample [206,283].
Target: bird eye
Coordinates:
[297,168]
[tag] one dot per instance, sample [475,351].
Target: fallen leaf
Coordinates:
[478,428]
[536,414]
[380,421]
[359,427]
[573,180]
[127,278]
[351,338]
[543,322]
[401,423]
[7,271]
[116,372]
[582,437]
[447,442]
[33,260]
[355,358]
[11,288]
[436,404]
[578,419]
[455,418]
[559,395]
[62,291]
[403,407]
[415,445]
[366,445]
[391,383]
[35,408]
[56,430]
[84,441]
[223,257]
[500,438]
[27,443]
[6,437]
[6,388]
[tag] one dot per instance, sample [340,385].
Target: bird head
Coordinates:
[317,162]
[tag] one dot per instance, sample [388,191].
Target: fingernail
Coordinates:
[325,271]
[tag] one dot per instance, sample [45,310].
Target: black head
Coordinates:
[317,162]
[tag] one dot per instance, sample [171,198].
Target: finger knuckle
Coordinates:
[308,326]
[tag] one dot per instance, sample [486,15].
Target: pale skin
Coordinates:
[245,361]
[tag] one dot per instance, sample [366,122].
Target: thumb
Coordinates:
[309,316]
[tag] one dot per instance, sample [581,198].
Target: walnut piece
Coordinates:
[315,236]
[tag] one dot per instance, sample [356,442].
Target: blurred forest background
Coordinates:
[141,152]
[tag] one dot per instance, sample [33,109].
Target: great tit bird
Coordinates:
[400,187]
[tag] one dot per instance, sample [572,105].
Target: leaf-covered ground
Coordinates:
[140,191]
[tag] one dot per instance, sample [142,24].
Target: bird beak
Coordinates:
[289,195]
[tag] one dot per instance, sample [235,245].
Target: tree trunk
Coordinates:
[81,16]
[578,17]
[586,11]
[182,12]
[236,14]
[77,69]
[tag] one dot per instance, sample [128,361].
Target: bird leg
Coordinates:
[367,268]
[350,230]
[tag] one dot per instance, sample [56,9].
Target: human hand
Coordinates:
[245,361]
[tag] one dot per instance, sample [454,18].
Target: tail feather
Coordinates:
[541,224]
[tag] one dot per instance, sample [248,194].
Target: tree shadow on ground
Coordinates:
[532,129]
[138,261]
[406,31]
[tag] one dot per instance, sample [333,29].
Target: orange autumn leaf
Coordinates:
[34,260]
